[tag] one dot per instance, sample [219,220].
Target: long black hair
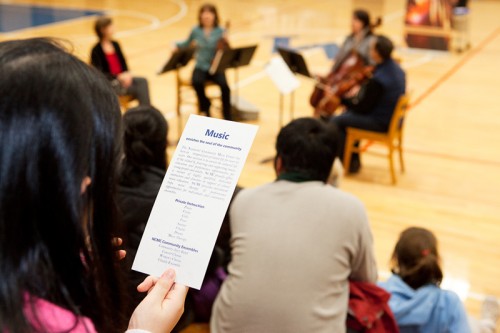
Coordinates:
[145,143]
[59,123]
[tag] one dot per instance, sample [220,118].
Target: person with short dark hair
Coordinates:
[417,301]
[295,243]
[314,161]
[107,56]
[384,47]
[205,37]
[372,105]
[61,138]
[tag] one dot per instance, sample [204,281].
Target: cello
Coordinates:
[352,72]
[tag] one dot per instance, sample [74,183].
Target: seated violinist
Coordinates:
[371,105]
[206,37]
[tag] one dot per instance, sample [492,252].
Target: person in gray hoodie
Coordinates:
[417,301]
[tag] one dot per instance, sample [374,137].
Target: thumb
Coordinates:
[162,287]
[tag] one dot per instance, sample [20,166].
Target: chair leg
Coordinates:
[391,165]
[401,161]
[400,150]
[349,142]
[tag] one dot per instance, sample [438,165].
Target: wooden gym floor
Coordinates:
[452,142]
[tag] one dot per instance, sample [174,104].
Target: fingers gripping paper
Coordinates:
[193,199]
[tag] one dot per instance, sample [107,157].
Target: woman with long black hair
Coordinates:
[60,136]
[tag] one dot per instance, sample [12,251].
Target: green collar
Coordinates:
[295,177]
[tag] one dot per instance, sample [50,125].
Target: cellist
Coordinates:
[371,106]
[359,39]
[352,65]
[206,37]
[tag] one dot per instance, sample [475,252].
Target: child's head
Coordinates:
[145,142]
[59,139]
[416,258]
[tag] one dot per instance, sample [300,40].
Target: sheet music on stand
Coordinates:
[282,76]
[282,70]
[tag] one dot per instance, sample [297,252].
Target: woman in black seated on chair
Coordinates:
[107,56]
[206,37]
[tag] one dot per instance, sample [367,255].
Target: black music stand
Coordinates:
[232,58]
[295,61]
[178,59]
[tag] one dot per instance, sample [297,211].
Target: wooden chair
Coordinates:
[393,138]
[197,328]
[185,87]
[125,101]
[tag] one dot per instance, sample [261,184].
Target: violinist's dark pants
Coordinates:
[200,78]
[356,120]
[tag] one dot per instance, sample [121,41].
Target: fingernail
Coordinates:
[169,273]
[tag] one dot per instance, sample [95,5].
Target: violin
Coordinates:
[352,72]
[223,43]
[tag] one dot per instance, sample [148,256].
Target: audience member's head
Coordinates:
[416,258]
[102,27]
[59,133]
[381,49]
[145,143]
[308,147]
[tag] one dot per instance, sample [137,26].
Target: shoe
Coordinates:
[490,309]
[355,166]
